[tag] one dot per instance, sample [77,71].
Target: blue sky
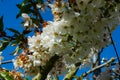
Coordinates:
[9,10]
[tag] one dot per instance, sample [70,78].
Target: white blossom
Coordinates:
[77,33]
[26,16]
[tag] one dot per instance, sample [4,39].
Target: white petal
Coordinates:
[24,15]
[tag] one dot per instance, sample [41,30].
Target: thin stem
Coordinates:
[97,63]
[71,74]
[113,45]
[97,71]
[6,62]
[118,75]
[98,58]
[100,66]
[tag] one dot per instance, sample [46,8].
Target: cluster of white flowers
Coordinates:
[23,61]
[76,32]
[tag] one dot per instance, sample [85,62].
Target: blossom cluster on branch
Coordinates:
[79,31]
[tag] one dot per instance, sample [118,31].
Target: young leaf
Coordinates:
[14,43]
[26,31]
[18,5]
[16,51]
[6,76]
[4,45]
[40,1]
[24,9]
[26,1]
[13,30]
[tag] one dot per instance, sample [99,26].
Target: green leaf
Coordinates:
[26,1]
[6,76]
[16,51]
[23,4]
[3,45]
[18,5]
[26,31]
[2,33]
[5,39]
[24,9]
[40,1]
[18,40]
[34,19]
[14,43]
[1,24]
[13,30]
[18,15]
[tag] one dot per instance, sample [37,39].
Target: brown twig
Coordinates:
[6,62]
[113,45]
[95,68]
[47,68]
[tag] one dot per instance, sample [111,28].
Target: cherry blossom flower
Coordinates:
[77,33]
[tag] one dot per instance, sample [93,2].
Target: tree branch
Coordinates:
[70,75]
[97,63]
[95,68]
[6,62]
[47,68]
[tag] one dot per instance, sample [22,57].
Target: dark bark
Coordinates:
[47,68]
